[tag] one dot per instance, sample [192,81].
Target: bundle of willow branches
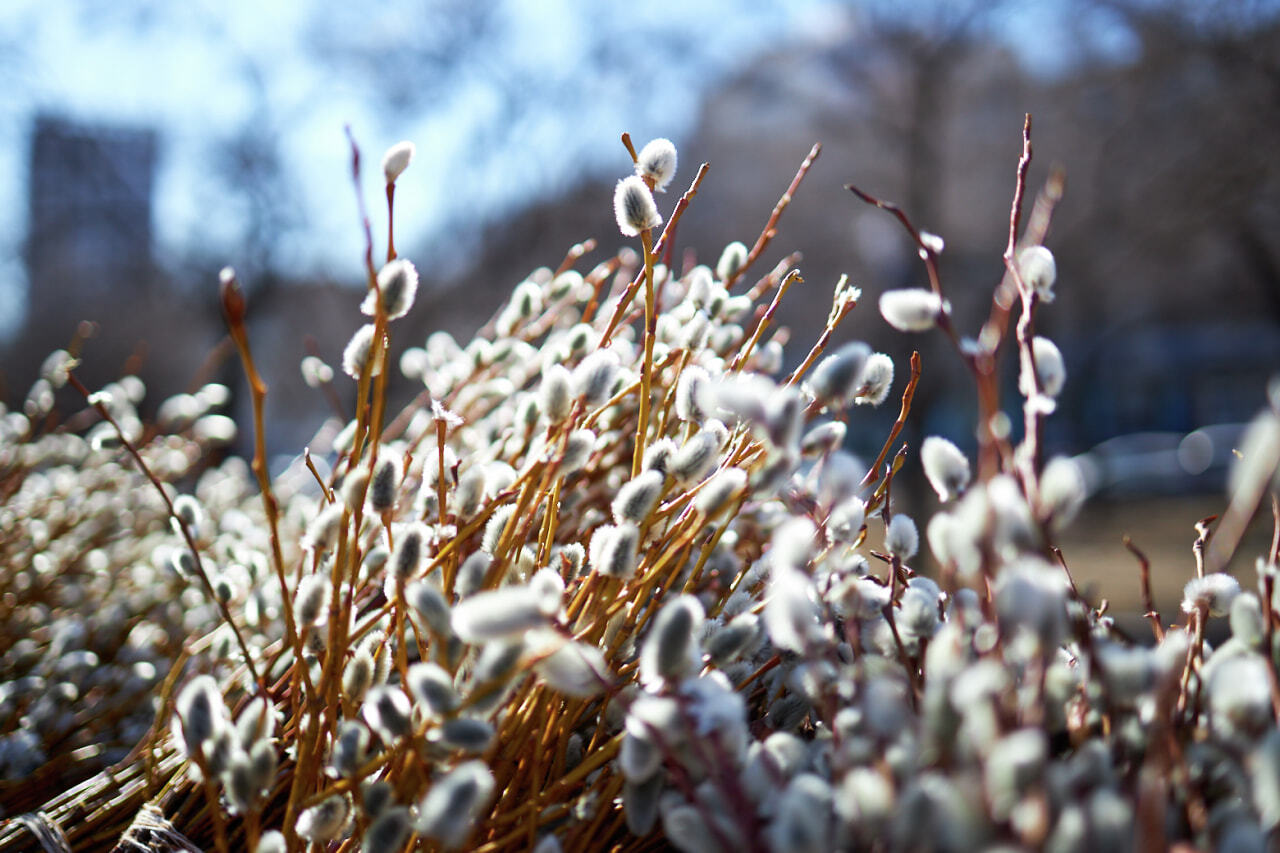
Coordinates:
[611,581]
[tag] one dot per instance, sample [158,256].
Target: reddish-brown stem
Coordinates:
[1144,581]
[1203,535]
[927,254]
[575,254]
[771,226]
[908,394]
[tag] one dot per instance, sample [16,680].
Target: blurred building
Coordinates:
[90,219]
[90,255]
[94,284]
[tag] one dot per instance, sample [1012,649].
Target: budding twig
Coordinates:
[180,525]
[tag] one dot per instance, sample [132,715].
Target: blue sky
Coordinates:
[188,69]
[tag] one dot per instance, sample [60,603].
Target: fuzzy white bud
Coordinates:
[429,603]
[594,375]
[912,309]
[432,686]
[1051,372]
[189,512]
[793,542]
[1038,271]
[323,822]
[902,539]
[696,457]
[719,488]
[355,485]
[388,832]
[846,520]
[385,483]
[670,651]
[946,468]
[472,572]
[555,393]
[448,812]
[634,207]
[790,611]
[398,284]
[1216,591]
[201,711]
[1032,594]
[388,712]
[637,498]
[468,734]
[309,600]
[577,450]
[357,676]
[503,612]
[406,559]
[823,439]
[657,163]
[356,354]
[690,393]
[731,260]
[575,669]
[876,380]
[657,457]
[614,550]
[835,380]
[495,527]
[396,160]
[1062,491]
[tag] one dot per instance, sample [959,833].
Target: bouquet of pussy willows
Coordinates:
[612,582]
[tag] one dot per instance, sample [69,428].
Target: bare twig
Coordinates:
[908,394]
[771,226]
[179,525]
[1144,581]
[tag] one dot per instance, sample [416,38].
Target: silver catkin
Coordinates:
[384,483]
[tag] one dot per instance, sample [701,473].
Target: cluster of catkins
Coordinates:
[613,575]
[96,604]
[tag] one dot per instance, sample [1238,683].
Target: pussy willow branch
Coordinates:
[669,229]
[233,306]
[180,525]
[839,310]
[766,318]
[771,226]
[1244,503]
[1144,580]
[982,363]
[646,366]
[908,394]
[1033,414]
[927,254]
[1015,211]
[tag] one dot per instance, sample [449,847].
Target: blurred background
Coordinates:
[144,144]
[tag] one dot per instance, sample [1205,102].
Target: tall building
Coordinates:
[89,234]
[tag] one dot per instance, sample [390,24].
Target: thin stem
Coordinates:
[646,367]
[908,394]
[1144,580]
[766,318]
[182,528]
[391,220]
[667,232]
[770,229]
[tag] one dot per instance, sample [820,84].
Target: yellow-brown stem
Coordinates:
[646,367]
